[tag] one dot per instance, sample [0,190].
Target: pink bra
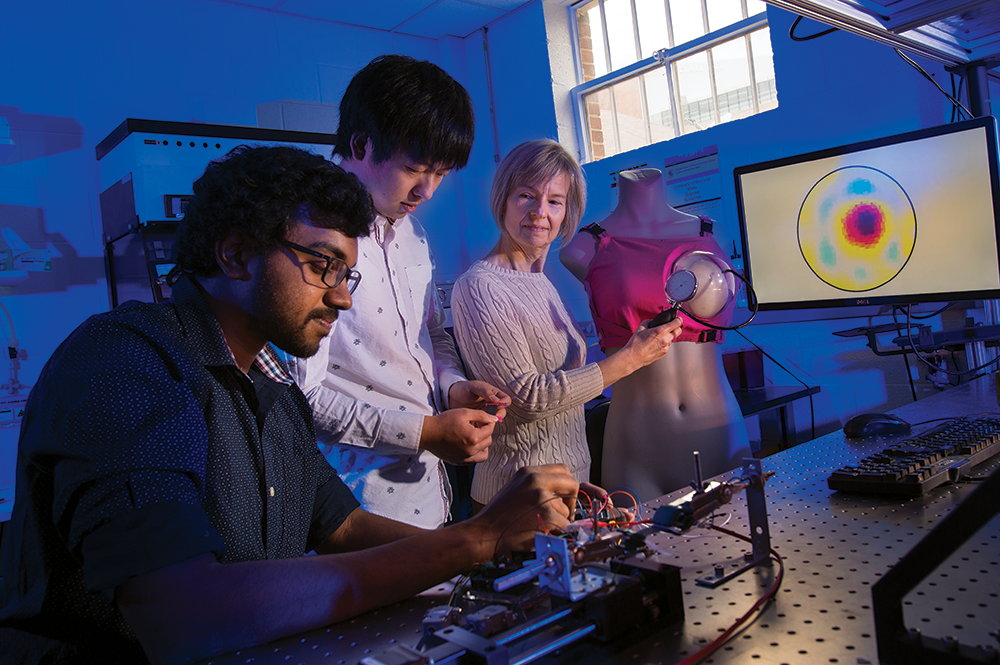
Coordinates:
[625,284]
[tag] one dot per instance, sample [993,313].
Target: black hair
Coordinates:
[258,192]
[408,106]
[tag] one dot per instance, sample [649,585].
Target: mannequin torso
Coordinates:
[681,403]
[642,212]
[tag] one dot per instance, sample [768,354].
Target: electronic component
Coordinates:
[682,514]
[603,588]
[595,581]
[918,464]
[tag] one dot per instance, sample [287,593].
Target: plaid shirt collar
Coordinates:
[270,364]
[188,294]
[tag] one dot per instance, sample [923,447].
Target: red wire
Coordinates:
[707,651]
[635,501]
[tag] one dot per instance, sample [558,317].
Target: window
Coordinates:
[656,69]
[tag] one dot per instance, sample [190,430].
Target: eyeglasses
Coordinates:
[334,270]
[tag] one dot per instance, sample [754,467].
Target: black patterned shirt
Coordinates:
[144,445]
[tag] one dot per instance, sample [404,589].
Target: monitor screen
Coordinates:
[904,219]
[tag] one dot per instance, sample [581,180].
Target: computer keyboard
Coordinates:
[915,465]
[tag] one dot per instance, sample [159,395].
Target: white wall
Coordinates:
[523,109]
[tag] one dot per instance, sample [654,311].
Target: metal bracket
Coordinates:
[760,534]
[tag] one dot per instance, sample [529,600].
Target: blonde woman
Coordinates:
[515,333]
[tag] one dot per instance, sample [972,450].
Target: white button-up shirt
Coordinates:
[387,363]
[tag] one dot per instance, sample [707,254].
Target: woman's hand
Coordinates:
[645,346]
[650,344]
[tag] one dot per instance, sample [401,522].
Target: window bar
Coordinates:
[674,113]
[583,131]
[574,32]
[604,36]
[644,109]
[675,94]
[642,83]
[754,96]
[635,30]
[584,151]
[711,82]
[670,25]
[611,91]
[711,66]
[614,119]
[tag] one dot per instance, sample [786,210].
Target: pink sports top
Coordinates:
[625,284]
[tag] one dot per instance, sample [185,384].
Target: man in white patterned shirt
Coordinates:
[389,397]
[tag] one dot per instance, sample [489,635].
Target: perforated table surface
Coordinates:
[834,546]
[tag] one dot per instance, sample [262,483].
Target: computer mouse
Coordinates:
[870,424]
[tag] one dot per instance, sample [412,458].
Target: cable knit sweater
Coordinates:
[514,332]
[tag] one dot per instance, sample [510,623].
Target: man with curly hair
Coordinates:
[388,393]
[168,479]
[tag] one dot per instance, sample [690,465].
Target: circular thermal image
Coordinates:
[857,228]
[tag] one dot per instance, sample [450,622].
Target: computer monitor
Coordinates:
[905,219]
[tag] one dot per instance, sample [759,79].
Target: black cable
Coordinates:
[920,318]
[958,94]
[791,32]
[906,361]
[909,374]
[970,371]
[954,93]
[932,314]
[751,294]
[930,78]
[812,408]
[953,98]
